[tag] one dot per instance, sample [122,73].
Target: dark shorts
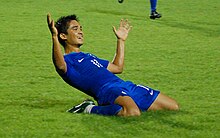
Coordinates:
[143,96]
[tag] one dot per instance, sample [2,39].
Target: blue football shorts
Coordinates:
[143,96]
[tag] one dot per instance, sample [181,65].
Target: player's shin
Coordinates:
[108,110]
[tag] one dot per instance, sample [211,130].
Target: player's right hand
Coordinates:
[51,25]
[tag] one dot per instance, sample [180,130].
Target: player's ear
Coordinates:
[63,36]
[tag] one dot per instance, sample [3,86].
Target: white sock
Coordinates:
[88,109]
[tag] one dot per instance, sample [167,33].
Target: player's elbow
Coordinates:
[119,70]
[115,68]
[61,69]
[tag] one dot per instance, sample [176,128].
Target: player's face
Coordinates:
[74,34]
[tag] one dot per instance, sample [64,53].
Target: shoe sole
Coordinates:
[154,17]
[120,1]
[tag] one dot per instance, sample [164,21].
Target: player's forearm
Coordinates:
[57,56]
[119,55]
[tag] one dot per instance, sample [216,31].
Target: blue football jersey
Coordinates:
[87,73]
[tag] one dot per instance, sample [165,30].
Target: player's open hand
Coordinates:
[51,25]
[123,30]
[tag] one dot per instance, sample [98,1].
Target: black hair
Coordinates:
[62,24]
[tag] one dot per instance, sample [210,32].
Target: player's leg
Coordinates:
[129,107]
[114,101]
[124,106]
[164,102]
[89,107]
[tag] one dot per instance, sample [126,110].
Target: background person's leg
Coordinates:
[154,14]
[153,5]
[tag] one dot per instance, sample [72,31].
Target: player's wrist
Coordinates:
[54,36]
[121,40]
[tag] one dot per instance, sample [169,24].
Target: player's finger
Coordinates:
[114,29]
[122,22]
[130,27]
[49,19]
[126,21]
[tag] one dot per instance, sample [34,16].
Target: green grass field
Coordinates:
[178,54]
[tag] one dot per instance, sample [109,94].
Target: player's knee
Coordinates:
[135,112]
[175,106]
[131,112]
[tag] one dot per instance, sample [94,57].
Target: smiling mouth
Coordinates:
[80,37]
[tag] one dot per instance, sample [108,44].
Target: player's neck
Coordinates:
[70,49]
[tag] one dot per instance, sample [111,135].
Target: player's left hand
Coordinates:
[123,30]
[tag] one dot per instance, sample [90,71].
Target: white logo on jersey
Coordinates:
[80,60]
[123,92]
[95,62]
[152,92]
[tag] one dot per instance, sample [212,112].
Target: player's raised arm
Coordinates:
[57,55]
[117,64]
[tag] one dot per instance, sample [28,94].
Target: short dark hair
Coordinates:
[62,24]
